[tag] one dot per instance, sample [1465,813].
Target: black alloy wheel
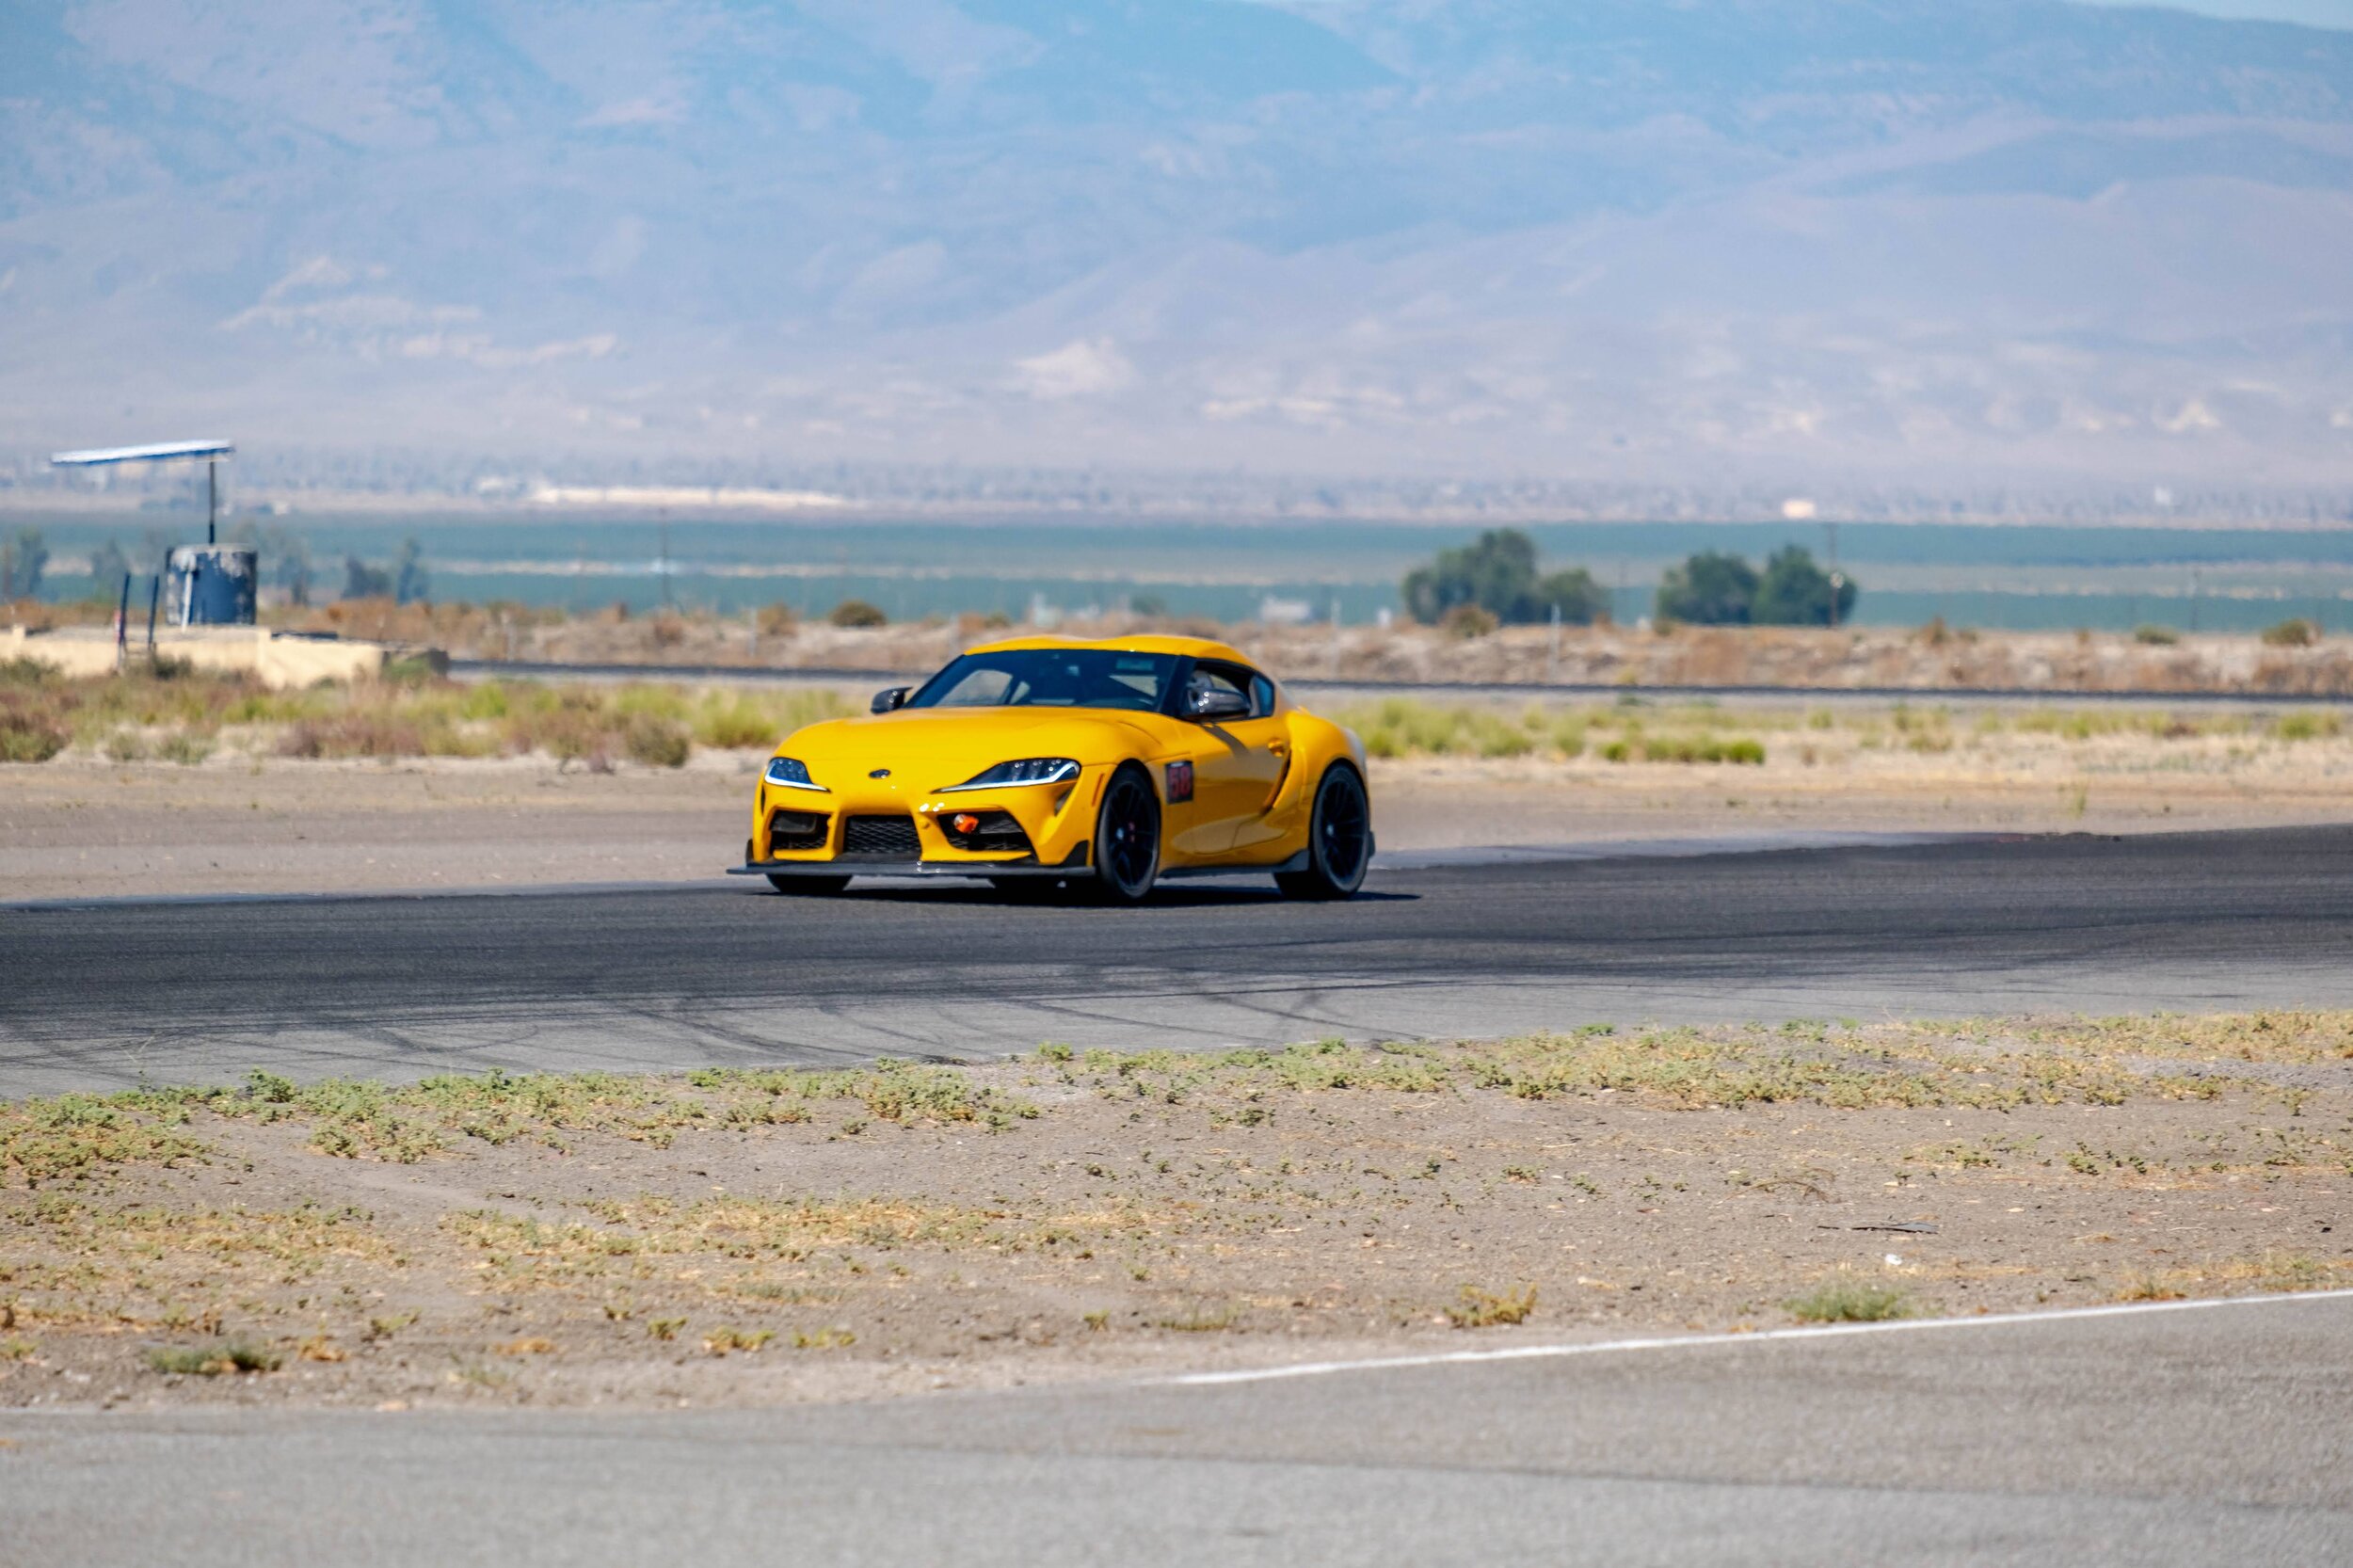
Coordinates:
[1128,837]
[810,885]
[1340,839]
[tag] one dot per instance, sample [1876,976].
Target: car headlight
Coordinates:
[790,773]
[1030,769]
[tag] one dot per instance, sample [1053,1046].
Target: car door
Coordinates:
[1238,762]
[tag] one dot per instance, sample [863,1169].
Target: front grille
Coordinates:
[789,830]
[883,837]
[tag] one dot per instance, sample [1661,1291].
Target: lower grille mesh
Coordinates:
[891,838]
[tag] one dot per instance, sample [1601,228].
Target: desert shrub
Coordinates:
[1465,621]
[2307,727]
[737,724]
[2291,634]
[33,714]
[777,620]
[658,743]
[2151,636]
[856,612]
[374,734]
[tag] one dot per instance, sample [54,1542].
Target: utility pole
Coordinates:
[1552,657]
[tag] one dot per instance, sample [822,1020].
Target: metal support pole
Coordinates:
[123,625]
[155,597]
[212,502]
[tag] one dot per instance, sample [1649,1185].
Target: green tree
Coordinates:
[1711,588]
[1498,573]
[23,560]
[1796,592]
[1581,600]
[109,566]
[363,581]
[410,582]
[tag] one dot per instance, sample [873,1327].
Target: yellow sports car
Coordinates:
[1042,760]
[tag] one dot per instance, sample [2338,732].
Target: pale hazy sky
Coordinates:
[2312,13]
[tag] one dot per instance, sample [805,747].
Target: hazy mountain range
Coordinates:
[1619,239]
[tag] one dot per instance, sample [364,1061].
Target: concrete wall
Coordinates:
[280,661]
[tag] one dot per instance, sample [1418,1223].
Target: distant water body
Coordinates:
[2017,577]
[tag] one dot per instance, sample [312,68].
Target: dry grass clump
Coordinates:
[180,716]
[1478,1309]
[227,1355]
[1407,726]
[44,1140]
[1999,1065]
[524,1250]
[1840,1067]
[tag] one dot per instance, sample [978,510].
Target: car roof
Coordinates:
[1197,647]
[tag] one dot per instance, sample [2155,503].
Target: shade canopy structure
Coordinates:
[160,452]
[157,451]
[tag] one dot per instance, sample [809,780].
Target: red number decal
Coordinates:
[1179,781]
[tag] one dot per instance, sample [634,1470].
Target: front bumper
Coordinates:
[807,833]
[867,865]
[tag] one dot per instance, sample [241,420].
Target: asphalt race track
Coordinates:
[105,993]
[2219,1434]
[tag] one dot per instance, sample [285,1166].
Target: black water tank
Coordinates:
[211,585]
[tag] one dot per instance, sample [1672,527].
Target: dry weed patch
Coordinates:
[441,1240]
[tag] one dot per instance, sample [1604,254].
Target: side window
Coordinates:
[1217,677]
[1248,684]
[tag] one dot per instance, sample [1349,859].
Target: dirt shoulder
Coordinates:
[755,1237]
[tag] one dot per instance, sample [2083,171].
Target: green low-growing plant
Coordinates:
[1845,1298]
[226,1356]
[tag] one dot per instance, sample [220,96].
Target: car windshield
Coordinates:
[1051,678]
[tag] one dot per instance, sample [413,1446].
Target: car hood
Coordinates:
[929,748]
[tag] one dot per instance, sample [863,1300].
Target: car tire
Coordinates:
[1340,839]
[1127,838]
[811,887]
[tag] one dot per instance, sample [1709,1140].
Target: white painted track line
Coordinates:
[1689,1341]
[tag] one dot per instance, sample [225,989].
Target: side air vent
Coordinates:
[791,830]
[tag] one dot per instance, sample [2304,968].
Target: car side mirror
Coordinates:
[1217,704]
[890,699]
